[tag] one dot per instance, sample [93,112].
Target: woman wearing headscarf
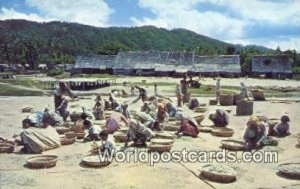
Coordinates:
[162,113]
[255,133]
[219,118]
[188,125]
[138,132]
[115,120]
[281,129]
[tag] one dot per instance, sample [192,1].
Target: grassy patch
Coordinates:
[25,82]
[10,90]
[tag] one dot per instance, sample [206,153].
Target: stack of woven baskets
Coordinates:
[6,146]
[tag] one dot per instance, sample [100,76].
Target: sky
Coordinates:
[270,23]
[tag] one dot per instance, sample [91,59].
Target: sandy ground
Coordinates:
[69,174]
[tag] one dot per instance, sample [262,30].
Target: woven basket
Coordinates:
[222,132]
[68,124]
[201,110]
[62,130]
[205,129]
[287,171]
[66,141]
[233,145]
[43,161]
[218,177]
[162,141]
[164,135]
[226,100]
[160,148]
[7,147]
[94,161]
[171,127]
[27,110]
[120,137]
[199,119]
[173,119]
[213,102]
[244,108]
[258,95]
[237,98]
[70,134]
[80,135]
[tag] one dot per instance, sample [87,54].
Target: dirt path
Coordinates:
[69,174]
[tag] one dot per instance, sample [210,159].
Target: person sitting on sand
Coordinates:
[63,108]
[194,103]
[36,140]
[219,118]
[94,132]
[188,125]
[98,109]
[139,133]
[106,145]
[281,129]
[255,134]
[115,120]
[171,109]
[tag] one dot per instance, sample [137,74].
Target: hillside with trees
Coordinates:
[26,42]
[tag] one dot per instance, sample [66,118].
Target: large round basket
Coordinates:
[62,130]
[201,109]
[258,95]
[94,161]
[226,100]
[120,136]
[219,173]
[7,147]
[164,135]
[290,170]
[66,141]
[173,119]
[43,161]
[70,134]
[162,141]
[222,132]
[171,127]
[160,148]
[80,135]
[68,124]
[205,129]
[213,102]
[199,119]
[233,145]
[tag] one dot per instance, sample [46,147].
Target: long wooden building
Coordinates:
[159,63]
[272,66]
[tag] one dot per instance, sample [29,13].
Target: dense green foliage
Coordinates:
[34,43]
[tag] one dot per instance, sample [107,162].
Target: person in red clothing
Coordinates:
[188,126]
